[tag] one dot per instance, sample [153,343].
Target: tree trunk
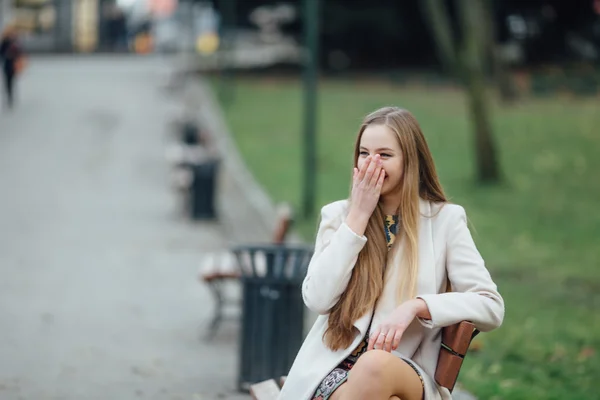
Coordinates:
[473,23]
[503,80]
[438,17]
[467,64]
[485,150]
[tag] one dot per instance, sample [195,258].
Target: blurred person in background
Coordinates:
[11,58]
[115,25]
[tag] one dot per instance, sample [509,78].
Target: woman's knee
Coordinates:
[372,365]
[381,373]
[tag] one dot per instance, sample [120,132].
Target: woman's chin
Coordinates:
[387,188]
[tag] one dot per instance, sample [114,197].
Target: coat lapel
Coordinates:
[426,279]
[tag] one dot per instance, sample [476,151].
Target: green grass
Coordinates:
[539,231]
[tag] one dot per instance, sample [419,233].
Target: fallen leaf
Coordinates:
[477,345]
[586,353]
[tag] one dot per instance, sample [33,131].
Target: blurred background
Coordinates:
[148,138]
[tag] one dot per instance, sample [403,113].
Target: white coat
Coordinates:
[446,251]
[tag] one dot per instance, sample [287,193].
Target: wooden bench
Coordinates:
[455,343]
[223,268]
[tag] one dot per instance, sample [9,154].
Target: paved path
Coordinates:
[98,297]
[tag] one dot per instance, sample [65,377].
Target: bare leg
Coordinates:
[339,393]
[379,375]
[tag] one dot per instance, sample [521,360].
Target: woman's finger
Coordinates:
[372,339]
[379,184]
[369,173]
[389,339]
[363,171]
[379,341]
[376,173]
[397,337]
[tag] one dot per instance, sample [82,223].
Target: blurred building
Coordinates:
[45,25]
[83,25]
[5,12]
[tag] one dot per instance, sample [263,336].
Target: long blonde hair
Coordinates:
[419,181]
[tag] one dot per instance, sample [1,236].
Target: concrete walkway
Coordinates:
[98,290]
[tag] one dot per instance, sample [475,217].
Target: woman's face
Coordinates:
[379,139]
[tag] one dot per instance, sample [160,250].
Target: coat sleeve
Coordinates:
[336,251]
[474,295]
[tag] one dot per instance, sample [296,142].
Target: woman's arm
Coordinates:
[341,238]
[475,297]
[336,251]
[421,309]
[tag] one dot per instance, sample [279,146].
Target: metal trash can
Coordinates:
[190,133]
[272,310]
[202,190]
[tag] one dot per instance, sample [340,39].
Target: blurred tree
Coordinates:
[360,34]
[502,77]
[461,48]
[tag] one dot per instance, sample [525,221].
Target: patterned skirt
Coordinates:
[339,375]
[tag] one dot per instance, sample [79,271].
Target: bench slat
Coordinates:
[266,390]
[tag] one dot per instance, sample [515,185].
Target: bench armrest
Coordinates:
[455,343]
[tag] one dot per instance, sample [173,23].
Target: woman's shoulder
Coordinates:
[446,212]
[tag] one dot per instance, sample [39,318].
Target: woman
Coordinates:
[383,265]
[9,54]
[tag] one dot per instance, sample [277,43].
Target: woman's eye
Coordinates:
[384,155]
[363,153]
